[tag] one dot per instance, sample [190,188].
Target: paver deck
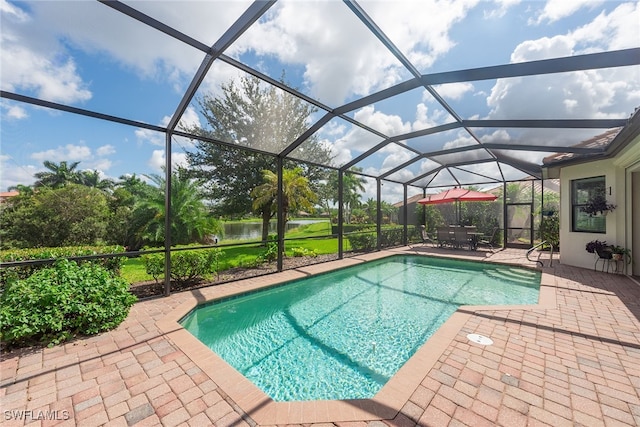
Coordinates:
[574,359]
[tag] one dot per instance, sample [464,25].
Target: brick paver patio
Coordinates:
[574,362]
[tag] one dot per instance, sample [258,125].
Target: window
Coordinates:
[583,190]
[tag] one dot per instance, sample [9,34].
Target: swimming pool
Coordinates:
[342,335]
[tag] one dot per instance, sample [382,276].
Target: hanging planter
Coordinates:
[600,248]
[597,206]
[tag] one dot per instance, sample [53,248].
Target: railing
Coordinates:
[537,246]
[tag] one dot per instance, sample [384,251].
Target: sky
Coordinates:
[86,55]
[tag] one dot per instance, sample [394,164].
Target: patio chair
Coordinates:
[444,238]
[488,242]
[462,238]
[424,238]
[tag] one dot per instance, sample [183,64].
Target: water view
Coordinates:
[253,230]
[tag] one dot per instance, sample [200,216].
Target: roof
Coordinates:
[412,199]
[602,146]
[8,194]
[599,142]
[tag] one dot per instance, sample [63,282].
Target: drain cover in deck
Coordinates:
[480,339]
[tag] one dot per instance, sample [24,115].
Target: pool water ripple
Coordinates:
[342,335]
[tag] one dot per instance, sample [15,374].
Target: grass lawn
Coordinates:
[240,256]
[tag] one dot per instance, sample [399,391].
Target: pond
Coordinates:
[253,230]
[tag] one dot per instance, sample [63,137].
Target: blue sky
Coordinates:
[84,54]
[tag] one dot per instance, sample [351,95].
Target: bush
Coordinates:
[391,236]
[550,230]
[187,267]
[363,242]
[23,272]
[73,214]
[271,253]
[58,302]
[302,252]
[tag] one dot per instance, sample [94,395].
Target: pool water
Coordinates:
[344,334]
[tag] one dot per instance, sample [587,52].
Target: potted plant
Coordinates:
[599,247]
[618,252]
[597,205]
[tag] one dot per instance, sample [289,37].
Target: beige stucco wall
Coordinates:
[618,175]
[572,245]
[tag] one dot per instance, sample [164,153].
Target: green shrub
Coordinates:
[349,228]
[23,272]
[271,253]
[363,242]
[301,252]
[550,230]
[60,301]
[391,236]
[187,267]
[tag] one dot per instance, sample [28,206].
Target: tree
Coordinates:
[190,219]
[23,190]
[389,212]
[92,178]
[297,195]
[50,217]
[352,187]
[58,175]
[249,115]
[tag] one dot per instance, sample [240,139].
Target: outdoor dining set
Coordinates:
[459,237]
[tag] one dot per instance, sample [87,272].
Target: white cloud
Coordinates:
[105,150]
[340,57]
[34,62]
[454,91]
[69,152]
[88,158]
[12,12]
[604,93]
[388,124]
[189,118]
[555,10]
[420,28]
[501,9]
[616,30]
[14,112]
[462,139]
[50,78]
[157,160]
[36,41]
[150,136]
[12,174]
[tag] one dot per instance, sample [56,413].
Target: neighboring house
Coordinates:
[612,169]
[411,210]
[6,195]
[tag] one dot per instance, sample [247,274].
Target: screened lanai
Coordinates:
[411,97]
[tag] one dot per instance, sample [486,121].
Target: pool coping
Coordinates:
[384,405]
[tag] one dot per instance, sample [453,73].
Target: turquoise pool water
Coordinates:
[342,335]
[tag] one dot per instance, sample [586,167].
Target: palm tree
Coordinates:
[297,195]
[58,175]
[352,187]
[93,179]
[190,219]
[24,190]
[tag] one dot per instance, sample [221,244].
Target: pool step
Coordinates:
[513,275]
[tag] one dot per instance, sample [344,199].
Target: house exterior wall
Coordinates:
[619,229]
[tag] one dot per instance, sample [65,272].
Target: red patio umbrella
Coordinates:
[457,195]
